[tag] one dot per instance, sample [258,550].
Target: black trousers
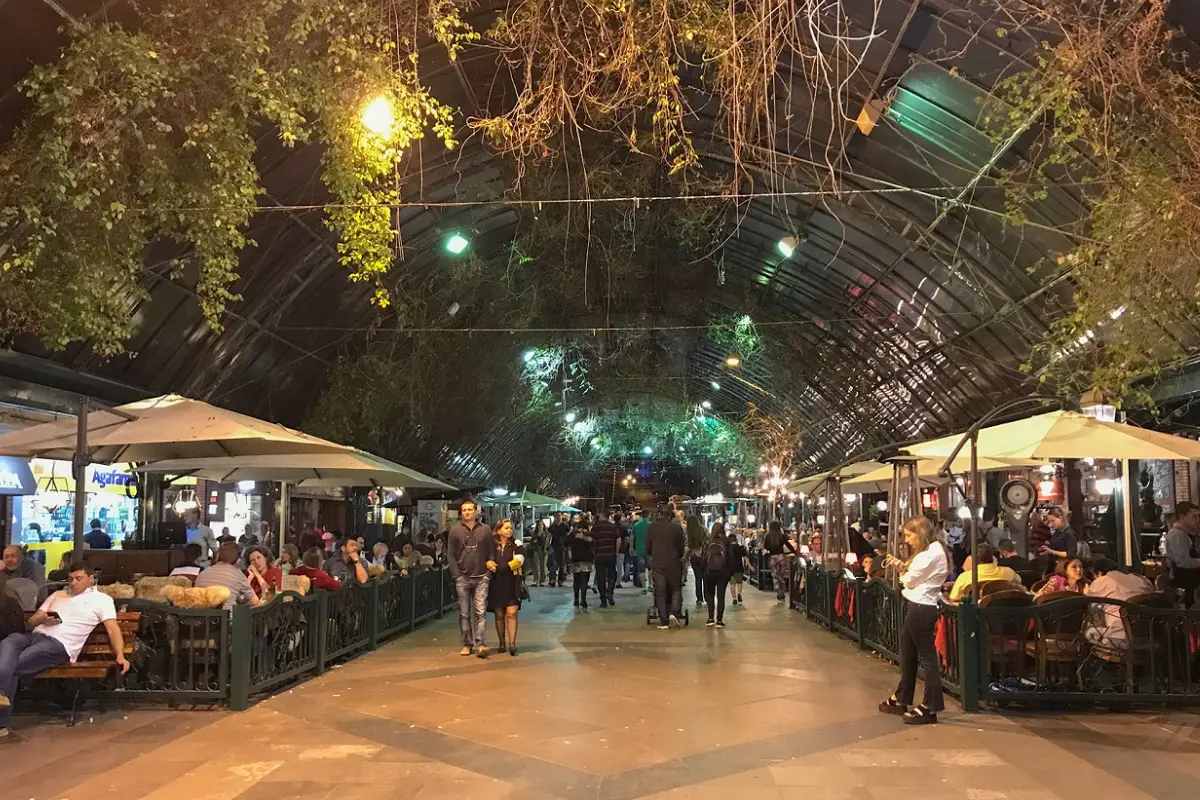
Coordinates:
[668,592]
[715,585]
[606,577]
[917,647]
[698,572]
[581,586]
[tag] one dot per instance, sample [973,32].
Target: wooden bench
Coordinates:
[96,658]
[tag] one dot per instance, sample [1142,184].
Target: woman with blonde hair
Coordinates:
[921,576]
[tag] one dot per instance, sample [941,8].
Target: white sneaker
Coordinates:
[664,628]
[673,621]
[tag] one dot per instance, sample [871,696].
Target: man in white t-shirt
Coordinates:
[58,632]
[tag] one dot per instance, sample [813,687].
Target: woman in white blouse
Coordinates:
[922,577]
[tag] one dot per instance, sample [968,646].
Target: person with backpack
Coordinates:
[739,562]
[774,546]
[696,548]
[717,571]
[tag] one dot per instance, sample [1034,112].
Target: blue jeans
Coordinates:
[23,655]
[472,608]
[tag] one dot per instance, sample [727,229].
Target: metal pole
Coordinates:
[281,534]
[972,503]
[80,465]
[1128,492]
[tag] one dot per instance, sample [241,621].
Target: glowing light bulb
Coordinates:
[378,117]
[456,244]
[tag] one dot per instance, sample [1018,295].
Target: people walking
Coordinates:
[922,575]
[556,554]
[696,539]
[739,562]
[775,545]
[582,561]
[507,588]
[637,533]
[717,570]
[535,553]
[606,542]
[472,558]
[666,547]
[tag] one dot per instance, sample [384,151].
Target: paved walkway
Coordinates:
[599,706]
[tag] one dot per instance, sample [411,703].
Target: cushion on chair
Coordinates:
[154,588]
[191,597]
[118,591]
[300,584]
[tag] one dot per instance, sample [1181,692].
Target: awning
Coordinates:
[349,468]
[1066,434]
[525,498]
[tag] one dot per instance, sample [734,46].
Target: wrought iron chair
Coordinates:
[1058,632]
[1006,632]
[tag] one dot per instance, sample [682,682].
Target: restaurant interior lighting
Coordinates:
[245,486]
[377,117]
[456,243]
[881,505]
[1105,486]
[964,512]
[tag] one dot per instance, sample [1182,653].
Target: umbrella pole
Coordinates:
[1128,492]
[80,464]
[281,535]
[974,514]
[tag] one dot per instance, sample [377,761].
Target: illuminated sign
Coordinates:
[16,478]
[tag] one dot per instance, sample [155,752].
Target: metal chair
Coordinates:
[1058,631]
[1006,632]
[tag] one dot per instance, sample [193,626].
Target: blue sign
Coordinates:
[16,478]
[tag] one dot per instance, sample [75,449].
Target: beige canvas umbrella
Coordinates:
[814,483]
[1066,434]
[167,427]
[927,472]
[350,468]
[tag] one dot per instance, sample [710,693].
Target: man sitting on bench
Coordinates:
[57,633]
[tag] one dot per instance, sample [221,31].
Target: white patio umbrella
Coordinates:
[1066,434]
[813,483]
[350,468]
[160,428]
[927,472]
[167,427]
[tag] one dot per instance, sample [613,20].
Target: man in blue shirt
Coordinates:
[472,559]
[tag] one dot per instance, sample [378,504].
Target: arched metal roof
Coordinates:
[901,313]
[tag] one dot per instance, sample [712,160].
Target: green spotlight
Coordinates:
[456,244]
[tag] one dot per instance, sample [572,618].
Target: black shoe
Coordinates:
[720,623]
[512,651]
[583,603]
[920,715]
[577,604]
[893,706]
[604,604]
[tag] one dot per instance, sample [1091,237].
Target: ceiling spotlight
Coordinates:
[716,387]
[456,244]
[528,356]
[648,450]
[787,246]
[706,405]
[732,361]
[580,426]
[570,417]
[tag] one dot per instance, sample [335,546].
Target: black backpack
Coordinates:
[716,555]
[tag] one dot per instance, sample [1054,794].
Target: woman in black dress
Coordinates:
[507,586]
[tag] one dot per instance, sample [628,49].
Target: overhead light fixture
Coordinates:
[580,426]
[716,387]
[245,486]
[881,505]
[787,246]
[500,491]
[570,417]
[377,117]
[456,243]
[706,405]
[1105,486]
[648,450]
[528,356]
[733,473]
[733,361]
[964,512]
[1097,405]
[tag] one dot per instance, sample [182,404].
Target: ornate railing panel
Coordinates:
[283,639]
[882,617]
[395,605]
[428,595]
[346,621]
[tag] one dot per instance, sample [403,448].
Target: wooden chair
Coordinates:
[1006,632]
[988,588]
[1145,635]
[96,658]
[1058,632]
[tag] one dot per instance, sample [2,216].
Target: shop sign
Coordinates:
[16,478]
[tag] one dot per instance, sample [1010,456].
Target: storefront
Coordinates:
[44,520]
